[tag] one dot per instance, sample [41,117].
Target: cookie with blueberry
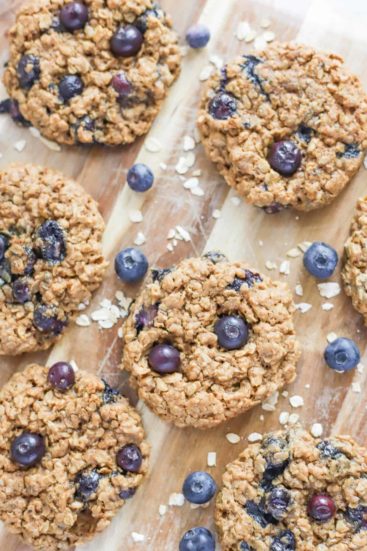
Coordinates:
[72,451]
[293,492]
[87,72]
[209,339]
[50,255]
[286,127]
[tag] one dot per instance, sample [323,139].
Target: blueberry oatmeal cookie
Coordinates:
[91,71]
[354,272]
[286,127]
[209,339]
[50,255]
[293,492]
[72,450]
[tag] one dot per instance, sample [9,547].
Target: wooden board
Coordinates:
[242,232]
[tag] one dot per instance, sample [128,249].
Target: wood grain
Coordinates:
[330,24]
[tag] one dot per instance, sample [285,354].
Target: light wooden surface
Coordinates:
[335,25]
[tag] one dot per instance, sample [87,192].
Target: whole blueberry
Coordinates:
[320,260]
[74,16]
[127,41]
[232,332]
[129,458]
[164,358]
[321,507]
[222,106]
[53,247]
[127,494]
[199,487]
[86,485]
[342,354]
[131,265]
[278,502]
[61,376]
[284,541]
[70,86]
[197,539]
[27,449]
[285,157]
[21,292]
[46,321]
[140,177]
[28,70]
[3,245]
[198,36]
[121,84]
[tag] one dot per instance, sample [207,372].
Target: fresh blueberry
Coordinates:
[285,157]
[197,539]
[70,86]
[127,494]
[127,41]
[53,247]
[129,458]
[86,485]
[121,84]
[222,106]
[278,502]
[164,359]
[199,487]
[321,507]
[131,265]
[320,260]
[74,16]
[61,376]
[27,449]
[284,541]
[232,332]
[140,177]
[46,321]
[28,71]
[342,354]
[3,246]
[21,293]
[145,317]
[198,36]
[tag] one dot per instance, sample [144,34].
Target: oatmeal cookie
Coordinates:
[72,451]
[91,71]
[286,127]
[50,255]
[294,492]
[209,339]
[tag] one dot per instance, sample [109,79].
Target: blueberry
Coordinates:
[74,16]
[320,260]
[342,354]
[3,246]
[53,247]
[127,41]
[198,36]
[278,502]
[5,272]
[131,265]
[328,451]
[357,516]
[222,106]
[127,494]
[61,376]
[140,177]
[164,359]
[274,208]
[86,485]
[110,394]
[244,546]
[145,317]
[272,471]
[232,332]
[11,106]
[70,86]
[121,84]
[160,274]
[197,539]
[284,541]
[21,293]
[46,321]
[129,458]
[257,512]
[215,257]
[28,71]
[27,449]
[250,279]
[199,487]
[142,21]
[305,133]
[31,260]
[321,507]
[285,157]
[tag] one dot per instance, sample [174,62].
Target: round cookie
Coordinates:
[76,486]
[50,255]
[354,272]
[196,379]
[275,490]
[287,93]
[102,82]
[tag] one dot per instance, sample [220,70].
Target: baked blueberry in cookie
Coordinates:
[68,458]
[208,339]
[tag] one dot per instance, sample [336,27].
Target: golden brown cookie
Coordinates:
[91,71]
[50,255]
[286,127]
[209,339]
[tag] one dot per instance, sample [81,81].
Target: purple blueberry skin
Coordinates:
[342,355]
[140,178]
[197,539]
[129,458]
[74,16]
[21,293]
[232,332]
[121,84]
[47,323]
[131,265]
[223,106]
[87,484]
[285,157]
[321,508]
[127,41]
[28,71]
[54,246]
[198,36]
[27,449]
[320,260]
[70,86]
[61,376]
[199,487]
[164,359]
[3,246]
[127,494]
[278,502]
